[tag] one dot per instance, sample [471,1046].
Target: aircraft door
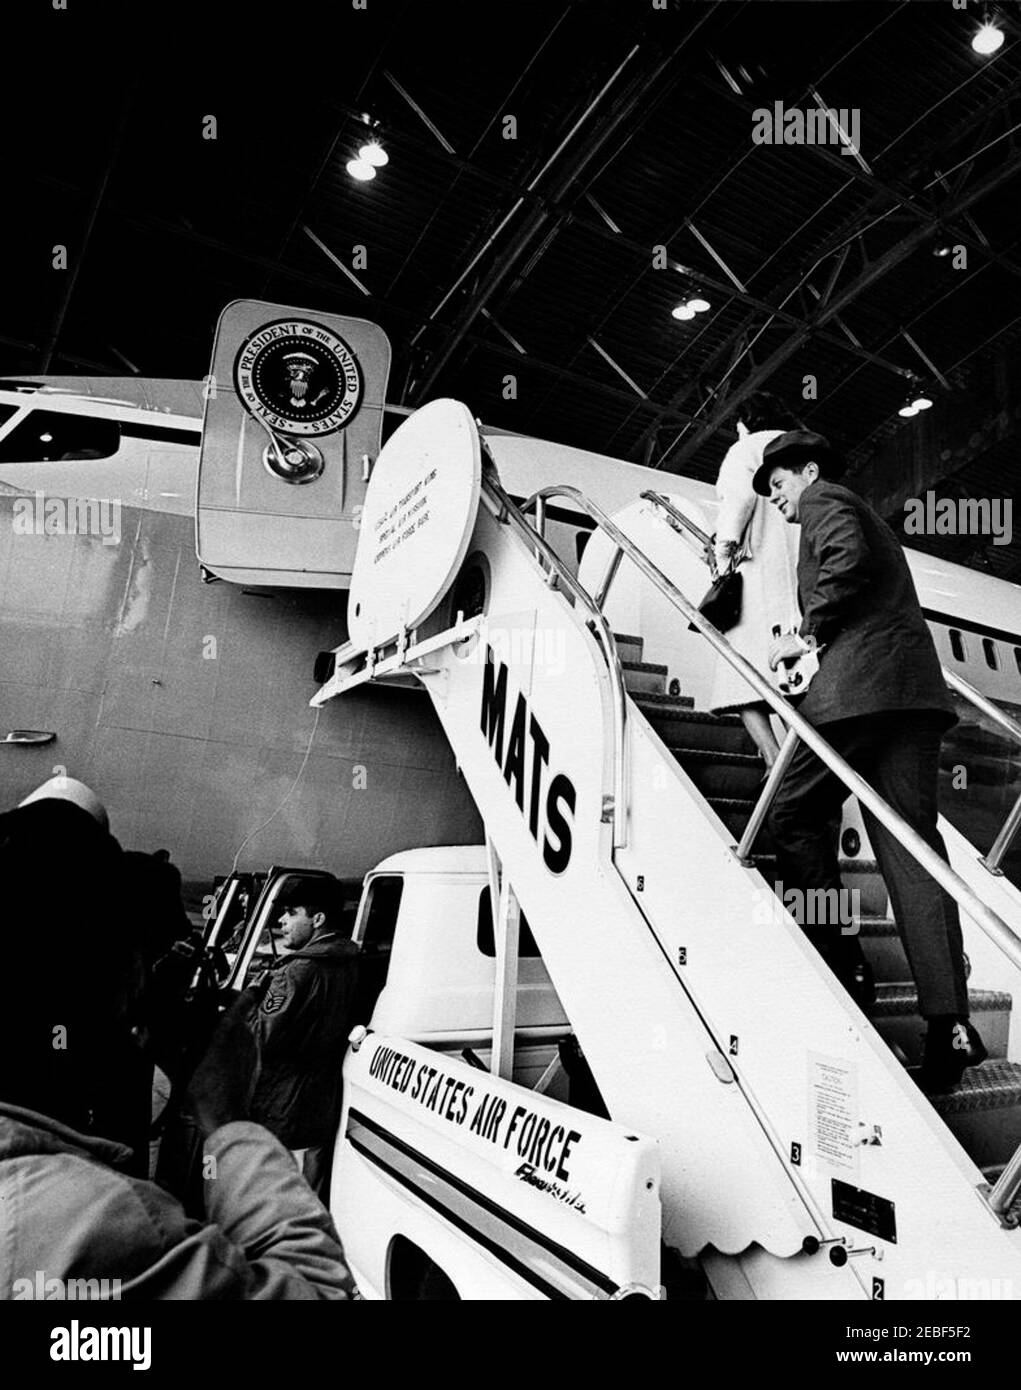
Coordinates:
[294,410]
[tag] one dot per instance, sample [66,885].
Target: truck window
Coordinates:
[381,914]
[485,939]
[49,435]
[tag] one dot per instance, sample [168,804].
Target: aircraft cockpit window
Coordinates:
[957,645]
[989,648]
[6,411]
[47,436]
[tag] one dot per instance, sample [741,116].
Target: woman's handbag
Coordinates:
[722,604]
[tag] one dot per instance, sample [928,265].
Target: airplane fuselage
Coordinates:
[185,702]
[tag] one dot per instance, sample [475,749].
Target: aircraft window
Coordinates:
[49,435]
[485,939]
[384,904]
[957,645]
[989,647]
[6,411]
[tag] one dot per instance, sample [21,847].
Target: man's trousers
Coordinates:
[898,755]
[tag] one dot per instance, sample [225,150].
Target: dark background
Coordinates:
[533,256]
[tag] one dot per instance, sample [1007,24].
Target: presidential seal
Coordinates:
[298,377]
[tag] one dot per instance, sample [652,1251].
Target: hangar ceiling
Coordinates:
[561,176]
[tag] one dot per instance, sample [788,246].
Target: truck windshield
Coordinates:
[383,906]
[485,939]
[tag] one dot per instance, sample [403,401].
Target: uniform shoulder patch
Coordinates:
[277,994]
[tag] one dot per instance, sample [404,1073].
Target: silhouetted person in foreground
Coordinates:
[75,1098]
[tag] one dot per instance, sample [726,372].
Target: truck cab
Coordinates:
[451,1180]
[426,914]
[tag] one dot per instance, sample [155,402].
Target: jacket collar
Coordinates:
[324,943]
[60,1137]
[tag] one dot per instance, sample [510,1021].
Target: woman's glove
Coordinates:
[726,555]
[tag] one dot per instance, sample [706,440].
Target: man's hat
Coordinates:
[70,789]
[796,446]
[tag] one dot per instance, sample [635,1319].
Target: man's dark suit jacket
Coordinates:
[858,600]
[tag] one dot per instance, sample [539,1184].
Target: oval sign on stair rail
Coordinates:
[418,518]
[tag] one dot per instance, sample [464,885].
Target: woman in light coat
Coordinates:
[750,530]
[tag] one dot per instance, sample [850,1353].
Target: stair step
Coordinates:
[629,648]
[863,876]
[732,775]
[677,723]
[665,702]
[645,677]
[710,757]
[734,814]
[995,1085]
[884,948]
[896,1017]
[984,1111]
[858,866]
[882,944]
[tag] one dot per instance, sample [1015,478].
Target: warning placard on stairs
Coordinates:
[833,1111]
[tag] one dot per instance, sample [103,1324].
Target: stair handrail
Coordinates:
[1002,720]
[1012,823]
[1004,1192]
[991,923]
[676,515]
[953,679]
[507,512]
[983,703]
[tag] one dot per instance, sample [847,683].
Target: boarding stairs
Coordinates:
[800,1160]
[984,1111]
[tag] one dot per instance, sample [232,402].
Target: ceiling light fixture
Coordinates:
[690,308]
[361,170]
[373,153]
[988,39]
[914,405]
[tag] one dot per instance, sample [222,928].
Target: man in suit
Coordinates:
[880,700]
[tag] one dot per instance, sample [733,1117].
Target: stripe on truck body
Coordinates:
[548,1266]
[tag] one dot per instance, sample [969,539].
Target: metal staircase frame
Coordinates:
[992,924]
[1003,1194]
[404,653]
